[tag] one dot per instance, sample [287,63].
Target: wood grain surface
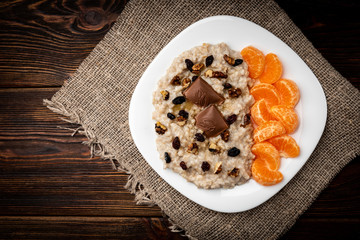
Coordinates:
[49,186]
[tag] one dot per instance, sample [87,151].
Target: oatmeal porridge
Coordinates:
[202,117]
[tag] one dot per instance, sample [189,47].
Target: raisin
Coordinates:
[189,64]
[194,78]
[184,114]
[227,85]
[209,60]
[225,135]
[183,165]
[171,116]
[199,137]
[247,119]
[178,100]
[175,80]
[238,62]
[231,119]
[205,166]
[234,92]
[167,157]
[176,143]
[233,152]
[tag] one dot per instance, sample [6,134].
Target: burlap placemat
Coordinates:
[97,97]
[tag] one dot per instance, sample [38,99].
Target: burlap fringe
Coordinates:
[142,197]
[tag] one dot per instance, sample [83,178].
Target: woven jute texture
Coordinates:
[97,97]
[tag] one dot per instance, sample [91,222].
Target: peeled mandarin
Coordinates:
[267,92]
[255,60]
[269,153]
[288,91]
[287,116]
[272,70]
[268,130]
[260,112]
[263,175]
[286,146]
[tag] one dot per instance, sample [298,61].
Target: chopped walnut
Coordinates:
[193,148]
[159,128]
[229,60]
[175,80]
[215,74]
[225,135]
[197,68]
[234,172]
[234,92]
[186,82]
[181,121]
[165,94]
[218,167]
[214,148]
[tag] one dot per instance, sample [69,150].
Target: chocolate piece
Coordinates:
[211,121]
[202,94]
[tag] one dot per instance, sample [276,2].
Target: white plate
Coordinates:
[237,33]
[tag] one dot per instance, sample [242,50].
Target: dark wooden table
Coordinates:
[49,188]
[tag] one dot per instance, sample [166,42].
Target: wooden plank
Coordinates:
[150,228]
[43,42]
[85,228]
[44,171]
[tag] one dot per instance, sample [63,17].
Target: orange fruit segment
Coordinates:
[287,116]
[255,60]
[267,92]
[268,130]
[260,112]
[269,153]
[288,91]
[286,146]
[263,175]
[273,69]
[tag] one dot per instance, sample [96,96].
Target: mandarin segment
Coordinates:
[288,91]
[263,175]
[269,153]
[286,146]
[255,60]
[268,130]
[287,116]
[260,113]
[267,92]
[272,70]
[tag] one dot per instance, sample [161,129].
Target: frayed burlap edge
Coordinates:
[133,185]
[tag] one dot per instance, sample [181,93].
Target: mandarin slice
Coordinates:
[263,175]
[260,112]
[268,130]
[286,146]
[267,92]
[287,116]
[288,91]
[273,69]
[255,60]
[269,153]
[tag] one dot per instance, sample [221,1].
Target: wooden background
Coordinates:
[48,186]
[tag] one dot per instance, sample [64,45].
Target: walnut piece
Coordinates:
[159,128]
[214,148]
[218,167]
[234,172]
[181,121]
[215,74]
[197,68]
[193,148]
[186,82]
[175,80]
[234,92]
[165,94]
[229,60]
